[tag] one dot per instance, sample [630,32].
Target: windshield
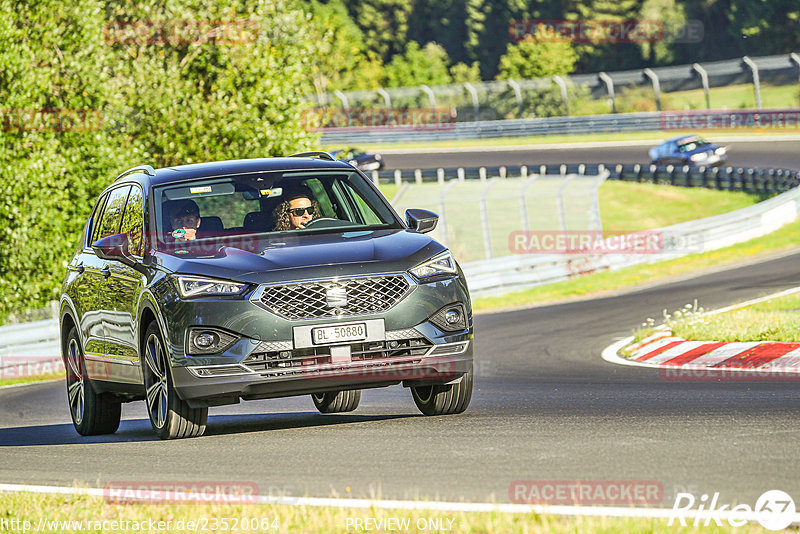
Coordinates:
[267,203]
[691,143]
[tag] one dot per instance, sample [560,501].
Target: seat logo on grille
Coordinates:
[336,297]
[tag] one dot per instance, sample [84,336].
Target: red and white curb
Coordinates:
[665,351]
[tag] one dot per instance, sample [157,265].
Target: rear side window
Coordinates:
[133,221]
[112,213]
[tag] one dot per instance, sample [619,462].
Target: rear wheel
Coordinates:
[337,401]
[170,416]
[92,414]
[444,399]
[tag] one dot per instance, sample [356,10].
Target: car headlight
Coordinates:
[440,265]
[193,286]
[698,157]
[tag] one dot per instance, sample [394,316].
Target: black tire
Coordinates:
[444,399]
[337,401]
[170,417]
[92,413]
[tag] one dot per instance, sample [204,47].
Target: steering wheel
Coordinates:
[319,219]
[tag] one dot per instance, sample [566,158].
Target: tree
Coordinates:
[417,66]
[531,58]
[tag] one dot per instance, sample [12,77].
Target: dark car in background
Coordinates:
[359,159]
[688,150]
[187,290]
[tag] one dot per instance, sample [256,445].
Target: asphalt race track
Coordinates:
[545,407]
[764,154]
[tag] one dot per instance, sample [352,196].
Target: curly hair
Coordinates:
[283,220]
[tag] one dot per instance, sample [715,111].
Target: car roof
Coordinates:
[685,136]
[193,171]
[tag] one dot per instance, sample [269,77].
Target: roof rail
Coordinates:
[314,154]
[147,169]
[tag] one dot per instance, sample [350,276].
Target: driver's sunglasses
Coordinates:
[298,212]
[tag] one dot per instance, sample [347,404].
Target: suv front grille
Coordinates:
[335,298]
[314,360]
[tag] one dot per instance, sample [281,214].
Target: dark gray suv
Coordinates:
[201,285]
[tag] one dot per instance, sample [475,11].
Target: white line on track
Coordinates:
[443,506]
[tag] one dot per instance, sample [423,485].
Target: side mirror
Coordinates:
[114,247]
[421,220]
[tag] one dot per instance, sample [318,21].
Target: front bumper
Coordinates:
[412,362]
[274,357]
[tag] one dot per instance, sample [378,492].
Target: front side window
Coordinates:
[133,221]
[112,213]
[267,203]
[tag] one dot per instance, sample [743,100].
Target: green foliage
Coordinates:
[384,24]
[532,58]
[417,66]
[152,97]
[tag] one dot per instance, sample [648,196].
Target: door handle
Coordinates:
[106,272]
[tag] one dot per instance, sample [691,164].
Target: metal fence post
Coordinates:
[487,241]
[562,212]
[387,99]
[605,78]
[461,174]
[476,107]
[650,73]
[704,79]
[431,97]
[517,94]
[482,173]
[443,211]
[563,86]
[794,57]
[440,176]
[756,82]
[398,177]
[523,203]
[418,176]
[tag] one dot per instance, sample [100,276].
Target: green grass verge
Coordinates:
[772,320]
[28,379]
[782,240]
[281,518]
[629,207]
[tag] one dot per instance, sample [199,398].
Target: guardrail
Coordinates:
[479,100]
[779,119]
[726,178]
[39,341]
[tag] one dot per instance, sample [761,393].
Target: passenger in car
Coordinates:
[184,217]
[297,210]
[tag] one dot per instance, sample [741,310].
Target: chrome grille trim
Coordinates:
[366,295]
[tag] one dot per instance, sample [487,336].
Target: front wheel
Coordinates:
[444,399]
[337,401]
[92,414]
[170,416]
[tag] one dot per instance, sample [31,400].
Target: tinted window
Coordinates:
[112,214]
[133,221]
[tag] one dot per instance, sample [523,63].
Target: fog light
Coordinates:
[452,317]
[285,354]
[204,341]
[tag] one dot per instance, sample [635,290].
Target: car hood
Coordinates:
[288,257]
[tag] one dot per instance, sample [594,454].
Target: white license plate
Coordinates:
[339,333]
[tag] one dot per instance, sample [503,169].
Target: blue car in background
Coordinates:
[688,150]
